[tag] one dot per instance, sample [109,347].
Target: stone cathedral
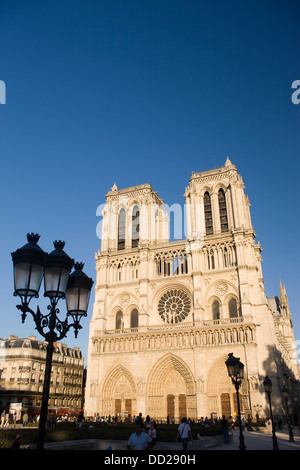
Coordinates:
[168,313]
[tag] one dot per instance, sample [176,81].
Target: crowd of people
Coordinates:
[9,417]
[145,435]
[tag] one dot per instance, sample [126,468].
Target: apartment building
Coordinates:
[22,368]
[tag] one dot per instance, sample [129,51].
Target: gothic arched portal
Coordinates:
[221,394]
[171,389]
[119,393]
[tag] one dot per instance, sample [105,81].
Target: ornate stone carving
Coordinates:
[174,306]
[125,299]
[221,288]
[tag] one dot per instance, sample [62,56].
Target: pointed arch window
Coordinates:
[233,310]
[208,214]
[223,211]
[216,310]
[121,229]
[119,320]
[134,318]
[211,260]
[135,227]
[225,255]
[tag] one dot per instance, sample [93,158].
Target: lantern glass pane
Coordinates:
[241,372]
[77,300]
[56,279]
[28,278]
[37,272]
[231,370]
[21,272]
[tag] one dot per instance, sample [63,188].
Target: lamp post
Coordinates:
[285,394]
[31,265]
[235,370]
[268,389]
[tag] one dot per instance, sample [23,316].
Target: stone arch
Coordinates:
[127,313]
[218,375]
[232,297]
[113,376]
[210,303]
[206,188]
[221,290]
[220,185]
[119,386]
[171,368]
[158,372]
[229,289]
[221,394]
[122,300]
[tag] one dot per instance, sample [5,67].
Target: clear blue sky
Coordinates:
[135,91]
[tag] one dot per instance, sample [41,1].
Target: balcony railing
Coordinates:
[180,326]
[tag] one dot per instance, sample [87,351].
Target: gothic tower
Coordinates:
[168,313]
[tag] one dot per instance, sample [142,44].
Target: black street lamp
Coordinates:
[31,264]
[235,370]
[285,394]
[268,389]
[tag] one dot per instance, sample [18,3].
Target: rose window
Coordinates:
[174,306]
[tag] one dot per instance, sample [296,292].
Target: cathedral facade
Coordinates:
[168,313]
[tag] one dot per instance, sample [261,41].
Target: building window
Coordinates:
[119,320]
[174,306]
[211,260]
[134,318]
[121,229]
[119,273]
[208,214]
[223,211]
[233,310]
[225,253]
[135,227]
[216,310]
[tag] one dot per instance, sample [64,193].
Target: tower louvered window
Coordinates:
[135,227]
[121,229]
[223,211]
[208,214]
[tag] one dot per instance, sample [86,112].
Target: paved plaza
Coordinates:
[254,440]
[261,441]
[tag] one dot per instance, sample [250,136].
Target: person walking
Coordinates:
[249,422]
[6,424]
[224,425]
[269,426]
[184,433]
[25,419]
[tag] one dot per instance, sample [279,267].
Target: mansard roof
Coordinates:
[32,343]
